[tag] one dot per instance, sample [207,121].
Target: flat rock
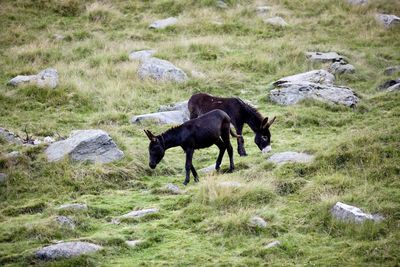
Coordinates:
[3,177]
[166,117]
[387,20]
[276,21]
[47,78]
[141,55]
[22,80]
[10,137]
[133,243]
[230,184]
[357,2]
[73,206]
[163,23]
[257,221]
[314,76]
[85,145]
[140,213]
[65,221]
[324,56]
[173,189]
[348,213]
[208,169]
[66,250]
[341,68]
[392,70]
[272,244]
[161,70]
[285,157]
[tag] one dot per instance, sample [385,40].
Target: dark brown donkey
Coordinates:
[240,113]
[212,128]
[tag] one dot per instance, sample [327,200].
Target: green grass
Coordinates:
[357,151]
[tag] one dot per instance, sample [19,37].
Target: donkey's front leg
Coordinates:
[188,164]
[196,177]
[240,141]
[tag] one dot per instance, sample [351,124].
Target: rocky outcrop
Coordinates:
[141,55]
[276,21]
[181,106]
[47,78]
[168,117]
[66,250]
[161,70]
[341,68]
[348,213]
[387,20]
[139,213]
[163,23]
[85,145]
[324,56]
[286,157]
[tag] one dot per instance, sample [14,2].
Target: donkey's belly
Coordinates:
[206,141]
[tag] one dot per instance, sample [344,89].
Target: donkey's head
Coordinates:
[156,149]
[263,136]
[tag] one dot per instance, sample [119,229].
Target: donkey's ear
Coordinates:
[264,123]
[271,121]
[150,135]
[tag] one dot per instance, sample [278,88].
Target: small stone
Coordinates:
[161,24]
[115,221]
[257,221]
[208,169]
[394,88]
[161,71]
[139,213]
[286,157]
[37,142]
[357,2]
[276,21]
[49,140]
[348,213]
[173,189]
[3,177]
[273,244]
[341,68]
[230,184]
[222,4]
[65,221]
[133,243]
[58,37]
[162,118]
[263,9]
[388,84]
[392,70]
[388,20]
[74,206]
[66,250]
[141,55]
[324,56]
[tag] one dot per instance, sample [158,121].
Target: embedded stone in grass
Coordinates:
[49,140]
[139,213]
[392,70]
[133,243]
[173,189]
[22,80]
[357,2]
[276,21]
[348,213]
[230,184]
[10,137]
[141,55]
[208,169]
[66,250]
[65,221]
[47,78]
[85,145]
[257,221]
[222,4]
[286,157]
[263,9]
[163,23]
[388,20]
[394,88]
[324,56]
[390,85]
[161,70]
[314,76]
[58,37]
[341,68]
[272,244]
[167,117]
[73,206]
[3,177]
[182,106]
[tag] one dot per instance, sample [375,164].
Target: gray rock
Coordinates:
[273,244]
[285,157]
[58,37]
[257,221]
[73,206]
[230,184]
[181,106]
[167,117]
[65,221]
[85,145]
[208,169]
[163,23]
[389,84]
[263,9]
[133,243]
[291,93]
[392,70]
[10,137]
[161,70]
[66,250]
[314,76]
[276,21]
[141,55]
[348,213]
[394,88]
[388,20]
[357,2]
[324,56]
[47,78]
[22,80]
[173,189]
[341,68]
[140,213]
[222,4]
[3,177]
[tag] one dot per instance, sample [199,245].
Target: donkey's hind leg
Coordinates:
[188,165]
[225,138]
[196,177]
[221,145]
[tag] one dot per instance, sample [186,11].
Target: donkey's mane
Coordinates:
[170,130]
[250,109]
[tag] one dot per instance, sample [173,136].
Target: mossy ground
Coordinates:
[357,150]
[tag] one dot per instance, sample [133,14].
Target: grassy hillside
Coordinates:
[357,150]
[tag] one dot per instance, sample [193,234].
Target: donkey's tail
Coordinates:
[234,134]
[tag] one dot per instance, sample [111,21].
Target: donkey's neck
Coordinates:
[253,119]
[171,137]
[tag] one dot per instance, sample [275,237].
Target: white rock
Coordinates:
[141,55]
[273,244]
[276,21]
[161,70]
[66,250]
[168,117]
[257,221]
[208,169]
[47,78]
[163,23]
[85,145]
[357,2]
[388,20]
[173,189]
[58,37]
[74,206]
[65,221]
[139,213]
[314,76]
[182,106]
[285,157]
[350,213]
[37,142]
[394,88]
[49,140]
[324,56]
[263,9]
[133,243]
[341,68]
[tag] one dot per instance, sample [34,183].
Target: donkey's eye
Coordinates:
[264,138]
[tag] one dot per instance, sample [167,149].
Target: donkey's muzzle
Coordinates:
[152,165]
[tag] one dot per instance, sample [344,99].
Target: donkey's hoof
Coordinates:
[230,170]
[243,155]
[185,183]
[196,180]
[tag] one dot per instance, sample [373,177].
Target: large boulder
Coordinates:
[163,23]
[66,250]
[348,213]
[167,117]
[388,20]
[161,70]
[85,145]
[314,76]
[47,78]
[141,55]
[324,56]
[286,157]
